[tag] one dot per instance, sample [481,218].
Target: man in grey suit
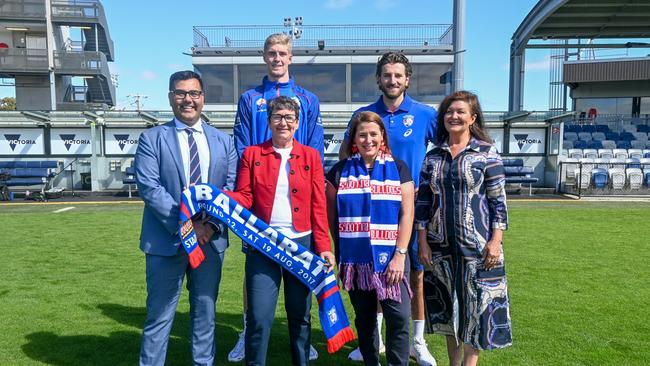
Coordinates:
[170,158]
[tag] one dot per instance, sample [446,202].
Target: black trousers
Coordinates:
[396,316]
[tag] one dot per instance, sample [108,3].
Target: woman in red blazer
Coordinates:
[282,183]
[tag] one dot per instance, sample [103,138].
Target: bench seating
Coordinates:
[27,174]
[517,173]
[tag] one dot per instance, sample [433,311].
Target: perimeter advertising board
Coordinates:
[497,135]
[527,140]
[70,141]
[21,141]
[121,141]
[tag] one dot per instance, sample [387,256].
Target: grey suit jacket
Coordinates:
[161,180]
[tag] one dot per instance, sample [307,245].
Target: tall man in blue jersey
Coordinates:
[410,126]
[251,124]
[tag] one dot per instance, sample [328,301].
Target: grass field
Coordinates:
[72,288]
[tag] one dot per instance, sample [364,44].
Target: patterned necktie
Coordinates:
[195,162]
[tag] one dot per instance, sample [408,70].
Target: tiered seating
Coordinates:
[600,136]
[26,174]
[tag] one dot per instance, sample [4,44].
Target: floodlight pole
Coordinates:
[458,73]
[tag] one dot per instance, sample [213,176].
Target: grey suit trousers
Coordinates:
[164,283]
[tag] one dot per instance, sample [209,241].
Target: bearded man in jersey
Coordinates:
[411,126]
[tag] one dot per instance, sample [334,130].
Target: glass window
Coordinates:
[250,76]
[364,83]
[425,83]
[327,81]
[645,105]
[217,82]
[424,86]
[605,106]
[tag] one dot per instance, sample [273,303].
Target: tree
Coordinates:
[8,104]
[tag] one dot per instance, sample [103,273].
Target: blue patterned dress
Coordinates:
[460,201]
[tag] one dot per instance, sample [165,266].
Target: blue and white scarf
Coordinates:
[293,257]
[368,208]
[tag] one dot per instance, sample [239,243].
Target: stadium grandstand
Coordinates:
[593,140]
[604,145]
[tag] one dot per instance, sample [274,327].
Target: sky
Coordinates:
[151,38]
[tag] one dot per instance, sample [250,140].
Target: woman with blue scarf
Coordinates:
[371,207]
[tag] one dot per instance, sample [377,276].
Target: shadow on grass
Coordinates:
[123,347]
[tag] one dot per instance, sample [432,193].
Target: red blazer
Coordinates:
[256,183]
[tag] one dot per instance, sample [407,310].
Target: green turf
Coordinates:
[72,289]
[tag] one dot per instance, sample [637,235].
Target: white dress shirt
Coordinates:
[201,145]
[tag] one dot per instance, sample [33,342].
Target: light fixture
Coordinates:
[21,29]
[321,44]
[85,27]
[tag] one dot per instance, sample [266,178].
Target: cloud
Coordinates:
[148,75]
[338,4]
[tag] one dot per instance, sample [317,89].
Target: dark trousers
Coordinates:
[263,278]
[396,316]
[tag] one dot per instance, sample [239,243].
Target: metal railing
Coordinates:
[86,9]
[30,9]
[23,60]
[79,63]
[332,36]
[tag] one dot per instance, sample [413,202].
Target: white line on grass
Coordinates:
[63,209]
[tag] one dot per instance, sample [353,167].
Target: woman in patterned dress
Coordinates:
[461,215]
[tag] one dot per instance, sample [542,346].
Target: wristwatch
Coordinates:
[402,251]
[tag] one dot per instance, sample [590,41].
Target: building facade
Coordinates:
[336,62]
[56,52]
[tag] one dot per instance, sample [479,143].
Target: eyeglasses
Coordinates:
[181,94]
[289,118]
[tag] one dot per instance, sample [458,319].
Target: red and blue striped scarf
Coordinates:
[368,208]
[308,267]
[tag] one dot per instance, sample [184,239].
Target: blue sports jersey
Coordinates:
[410,128]
[251,124]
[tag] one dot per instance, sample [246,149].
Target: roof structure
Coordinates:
[575,20]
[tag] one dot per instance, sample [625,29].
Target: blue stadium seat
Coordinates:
[625,144]
[643,128]
[572,128]
[599,178]
[598,136]
[585,136]
[594,144]
[602,128]
[571,136]
[589,128]
[11,164]
[612,136]
[579,144]
[646,155]
[626,136]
